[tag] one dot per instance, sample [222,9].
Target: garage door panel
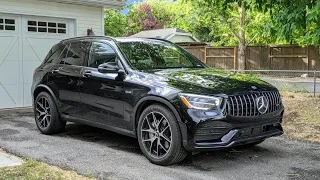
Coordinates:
[29,53]
[10,96]
[36,49]
[27,98]
[10,49]
[28,69]
[6,45]
[10,64]
[22,50]
[9,72]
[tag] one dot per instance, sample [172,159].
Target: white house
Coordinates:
[29,28]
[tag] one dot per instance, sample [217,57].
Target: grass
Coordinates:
[34,170]
[302,116]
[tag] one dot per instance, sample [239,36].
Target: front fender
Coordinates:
[141,102]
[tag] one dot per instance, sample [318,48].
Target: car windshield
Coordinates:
[154,54]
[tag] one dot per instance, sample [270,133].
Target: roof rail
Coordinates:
[88,37]
[161,40]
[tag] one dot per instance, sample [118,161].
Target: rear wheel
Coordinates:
[46,115]
[159,136]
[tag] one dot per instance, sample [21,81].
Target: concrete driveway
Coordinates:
[108,155]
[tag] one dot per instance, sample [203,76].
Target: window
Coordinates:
[153,54]
[54,54]
[173,58]
[101,53]
[75,54]
[47,27]
[7,24]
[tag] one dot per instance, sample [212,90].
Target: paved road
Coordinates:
[111,156]
[293,84]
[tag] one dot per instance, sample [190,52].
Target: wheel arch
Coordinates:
[147,101]
[43,88]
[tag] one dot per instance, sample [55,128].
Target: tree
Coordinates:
[148,15]
[115,24]
[297,22]
[190,17]
[184,15]
[235,18]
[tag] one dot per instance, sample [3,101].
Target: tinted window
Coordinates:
[147,55]
[75,54]
[101,53]
[54,54]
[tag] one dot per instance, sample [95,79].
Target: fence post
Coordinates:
[315,83]
[205,55]
[235,52]
[308,59]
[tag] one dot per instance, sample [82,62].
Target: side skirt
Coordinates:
[98,125]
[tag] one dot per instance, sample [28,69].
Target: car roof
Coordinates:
[135,39]
[117,39]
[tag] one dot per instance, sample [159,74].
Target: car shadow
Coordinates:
[221,160]
[203,161]
[104,137]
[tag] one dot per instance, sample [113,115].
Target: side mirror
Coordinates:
[110,67]
[121,75]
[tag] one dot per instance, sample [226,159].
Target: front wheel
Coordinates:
[159,136]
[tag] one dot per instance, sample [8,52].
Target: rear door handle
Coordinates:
[55,70]
[87,74]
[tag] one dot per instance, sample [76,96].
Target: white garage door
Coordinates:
[24,43]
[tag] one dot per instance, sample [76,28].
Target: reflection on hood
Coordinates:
[206,81]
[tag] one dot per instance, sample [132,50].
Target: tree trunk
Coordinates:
[242,40]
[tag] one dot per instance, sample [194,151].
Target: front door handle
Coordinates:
[55,71]
[87,74]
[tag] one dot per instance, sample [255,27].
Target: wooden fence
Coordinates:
[287,57]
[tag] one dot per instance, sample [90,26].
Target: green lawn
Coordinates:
[33,170]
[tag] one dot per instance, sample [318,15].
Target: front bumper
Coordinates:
[215,134]
[235,138]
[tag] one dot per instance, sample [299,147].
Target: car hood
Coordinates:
[212,81]
[200,81]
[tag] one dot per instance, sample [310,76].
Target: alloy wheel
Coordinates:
[43,113]
[156,134]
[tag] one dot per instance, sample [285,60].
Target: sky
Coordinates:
[129,2]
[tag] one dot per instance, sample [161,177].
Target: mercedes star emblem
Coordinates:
[262,104]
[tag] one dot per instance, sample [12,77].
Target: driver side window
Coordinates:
[102,53]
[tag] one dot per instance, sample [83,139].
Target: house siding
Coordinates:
[85,17]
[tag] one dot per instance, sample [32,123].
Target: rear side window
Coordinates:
[54,58]
[53,50]
[75,53]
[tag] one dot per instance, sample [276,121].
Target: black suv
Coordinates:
[155,91]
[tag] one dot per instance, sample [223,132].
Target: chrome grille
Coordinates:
[245,105]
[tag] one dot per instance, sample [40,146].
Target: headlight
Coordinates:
[200,102]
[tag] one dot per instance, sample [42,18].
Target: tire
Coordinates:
[161,132]
[46,115]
